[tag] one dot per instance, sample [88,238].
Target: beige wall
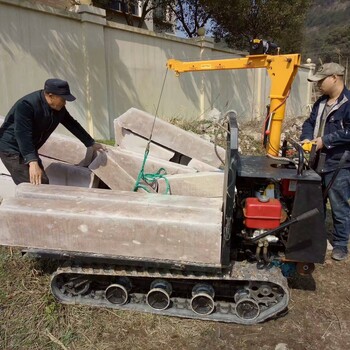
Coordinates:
[113,67]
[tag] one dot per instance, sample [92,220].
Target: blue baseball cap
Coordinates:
[58,87]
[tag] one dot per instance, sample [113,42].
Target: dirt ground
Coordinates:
[318,315]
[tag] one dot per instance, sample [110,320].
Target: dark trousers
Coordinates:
[339,195]
[19,171]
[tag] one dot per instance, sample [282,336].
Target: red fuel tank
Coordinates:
[262,215]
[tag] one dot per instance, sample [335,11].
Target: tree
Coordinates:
[332,45]
[190,15]
[280,21]
[128,8]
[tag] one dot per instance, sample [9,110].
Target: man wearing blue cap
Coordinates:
[29,124]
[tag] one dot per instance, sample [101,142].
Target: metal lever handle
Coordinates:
[308,214]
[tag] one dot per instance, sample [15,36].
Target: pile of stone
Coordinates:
[190,162]
[107,217]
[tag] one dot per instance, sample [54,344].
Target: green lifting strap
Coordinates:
[150,178]
[160,174]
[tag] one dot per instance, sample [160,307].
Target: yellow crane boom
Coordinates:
[282,70]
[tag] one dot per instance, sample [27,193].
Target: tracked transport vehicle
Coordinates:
[223,259]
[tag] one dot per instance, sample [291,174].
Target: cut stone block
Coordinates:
[200,166]
[7,187]
[60,173]
[167,135]
[132,162]
[204,184]
[135,143]
[111,173]
[172,231]
[126,164]
[26,190]
[67,149]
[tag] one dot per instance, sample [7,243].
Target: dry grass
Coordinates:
[318,318]
[32,319]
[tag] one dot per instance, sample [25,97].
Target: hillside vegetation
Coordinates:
[327,32]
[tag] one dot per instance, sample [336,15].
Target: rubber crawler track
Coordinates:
[240,276]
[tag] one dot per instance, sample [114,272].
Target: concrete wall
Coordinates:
[112,67]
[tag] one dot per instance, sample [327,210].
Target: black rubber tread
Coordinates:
[239,274]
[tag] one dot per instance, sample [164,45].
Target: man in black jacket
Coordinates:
[329,127]
[29,124]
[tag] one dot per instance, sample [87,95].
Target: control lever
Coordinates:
[308,214]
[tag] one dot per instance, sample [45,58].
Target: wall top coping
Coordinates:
[89,9]
[208,42]
[41,8]
[97,15]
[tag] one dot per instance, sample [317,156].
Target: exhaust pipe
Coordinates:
[158,297]
[202,302]
[118,293]
[246,307]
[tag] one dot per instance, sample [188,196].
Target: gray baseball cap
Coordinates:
[326,70]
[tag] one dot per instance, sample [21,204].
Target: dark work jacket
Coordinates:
[336,136]
[29,124]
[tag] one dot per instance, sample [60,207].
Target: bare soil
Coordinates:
[318,315]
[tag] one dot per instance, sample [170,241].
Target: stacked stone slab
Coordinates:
[167,135]
[132,142]
[67,149]
[190,162]
[205,184]
[132,131]
[65,174]
[113,175]
[119,223]
[112,223]
[119,168]
[129,141]
[7,186]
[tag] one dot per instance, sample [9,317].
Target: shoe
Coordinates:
[339,253]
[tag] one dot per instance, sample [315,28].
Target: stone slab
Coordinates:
[119,168]
[200,166]
[132,142]
[111,173]
[67,149]
[167,135]
[26,190]
[135,229]
[7,187]
[132,162]
[61,173]
[204,184]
